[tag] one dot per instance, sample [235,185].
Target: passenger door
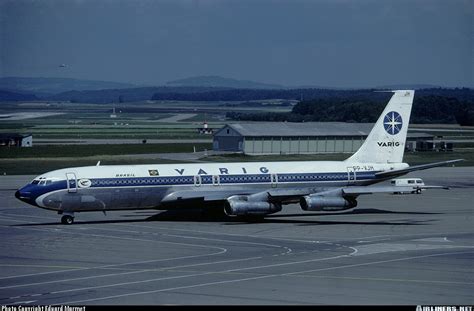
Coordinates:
[71,182]
[197,180]
[216,180]
[351,176]
[274,180]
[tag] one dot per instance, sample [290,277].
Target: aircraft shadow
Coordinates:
[359,211]
[329,222]
[175,216]
[78,222]
[217,216]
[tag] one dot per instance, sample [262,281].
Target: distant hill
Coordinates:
[232,94]
[409,87]
[216,81]
[43,86]
[125,95]
[13,96]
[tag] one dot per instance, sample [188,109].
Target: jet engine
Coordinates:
[241,205]
[322,203]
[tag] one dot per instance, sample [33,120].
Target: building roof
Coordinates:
[13,135]
[302,129]
[261,129]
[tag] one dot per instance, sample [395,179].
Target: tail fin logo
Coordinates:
[392,122]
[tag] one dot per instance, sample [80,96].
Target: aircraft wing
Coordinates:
[395,173]
[349,191]
[287,195]
[355,191]
[274,195]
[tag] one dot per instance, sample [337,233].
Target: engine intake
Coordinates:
[322,203]
[243,205]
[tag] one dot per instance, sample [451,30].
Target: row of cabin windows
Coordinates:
[223,178]
[245,178]
[143,181]
[311,177]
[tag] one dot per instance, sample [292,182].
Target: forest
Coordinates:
[426,109]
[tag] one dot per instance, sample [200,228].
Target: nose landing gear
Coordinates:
[67,219]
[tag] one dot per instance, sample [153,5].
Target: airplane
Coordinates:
[240,188]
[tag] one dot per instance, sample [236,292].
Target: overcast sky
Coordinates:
[327,43]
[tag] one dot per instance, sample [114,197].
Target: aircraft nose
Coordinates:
[22,195]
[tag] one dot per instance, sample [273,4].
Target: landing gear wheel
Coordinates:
[67,220]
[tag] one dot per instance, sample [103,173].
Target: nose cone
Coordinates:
[21,195]
[25,195]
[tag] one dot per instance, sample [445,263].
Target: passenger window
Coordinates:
[411,181]
[419,182]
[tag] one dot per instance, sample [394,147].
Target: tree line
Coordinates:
[426,109]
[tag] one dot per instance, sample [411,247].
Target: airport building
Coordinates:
[15,140]
[296,138]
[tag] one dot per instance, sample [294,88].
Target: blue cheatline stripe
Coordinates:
[227,179]
[36,190]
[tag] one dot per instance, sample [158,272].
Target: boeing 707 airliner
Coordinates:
[241,189]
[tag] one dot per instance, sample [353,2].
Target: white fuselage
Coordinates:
[98,188]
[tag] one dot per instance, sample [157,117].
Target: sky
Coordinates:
[333,43]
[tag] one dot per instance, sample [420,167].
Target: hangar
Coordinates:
[295,138]
[17,140]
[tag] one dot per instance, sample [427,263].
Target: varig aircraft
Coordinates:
[241,189]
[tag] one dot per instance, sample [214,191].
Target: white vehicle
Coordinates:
[404,182]
[238,189]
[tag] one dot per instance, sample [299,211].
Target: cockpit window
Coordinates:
[42,181]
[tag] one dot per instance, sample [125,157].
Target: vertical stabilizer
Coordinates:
[386,141]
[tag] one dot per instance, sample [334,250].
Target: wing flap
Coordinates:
[355,191]
[188,195]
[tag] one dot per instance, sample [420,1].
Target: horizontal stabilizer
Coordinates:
[394,173]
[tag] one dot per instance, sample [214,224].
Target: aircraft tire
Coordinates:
[67,220]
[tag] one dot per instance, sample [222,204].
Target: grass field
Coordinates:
[142,120]
[56,151]
[37,165]
[40,166]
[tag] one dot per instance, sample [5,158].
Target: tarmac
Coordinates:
[391,249]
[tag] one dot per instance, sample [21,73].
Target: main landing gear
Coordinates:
[67,219]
